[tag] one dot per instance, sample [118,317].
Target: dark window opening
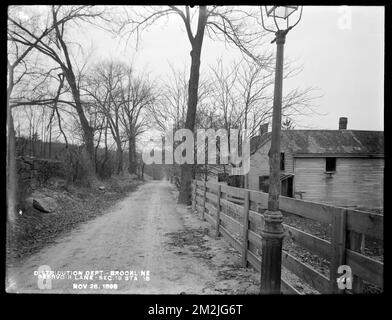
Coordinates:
[222,176]
[235,181]
[287,187]
[263,183]
[282,161]
[330,164]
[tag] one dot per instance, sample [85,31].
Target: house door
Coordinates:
[287,187]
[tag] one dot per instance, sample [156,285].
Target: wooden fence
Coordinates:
[236,214]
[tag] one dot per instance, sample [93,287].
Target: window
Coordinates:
[282,161]
[263,183]
[330,164]
[222,176]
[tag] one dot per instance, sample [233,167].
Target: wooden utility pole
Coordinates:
[273,233]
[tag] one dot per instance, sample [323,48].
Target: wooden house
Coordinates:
[339,167]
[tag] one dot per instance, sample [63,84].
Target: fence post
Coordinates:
[338,245]
[204,200]
[245,230]
[354,240]
[218,211]
[194,195]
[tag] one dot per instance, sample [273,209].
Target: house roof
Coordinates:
[357,142]
[258,141]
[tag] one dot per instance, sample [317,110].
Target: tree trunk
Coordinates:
[186,169]
[11,159]
[106,151]
[50,141]
[132,155]
[119,154]
[11,171]
[88,133]
[97,146]
[88,137]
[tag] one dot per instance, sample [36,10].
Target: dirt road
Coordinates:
[146,243]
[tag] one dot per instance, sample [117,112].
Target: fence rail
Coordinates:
[235,214]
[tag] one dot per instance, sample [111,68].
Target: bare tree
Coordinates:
[170,108]
[226,100]
[104,87]
[169,111]
[243,92]
[229,24]
[136,97]
[52,43]
[17,53]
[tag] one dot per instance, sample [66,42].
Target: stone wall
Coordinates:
[33,172]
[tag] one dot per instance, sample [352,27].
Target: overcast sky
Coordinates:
[347,64]
[341,50]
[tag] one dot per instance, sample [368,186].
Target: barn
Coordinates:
[339,167]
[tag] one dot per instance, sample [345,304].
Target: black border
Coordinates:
[256,306]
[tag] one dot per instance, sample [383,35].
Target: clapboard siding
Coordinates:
[259,164]
[356,182]
[289,161]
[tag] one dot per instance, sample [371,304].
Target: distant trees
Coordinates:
[57,93]
[97,104]
[231,24]
[137,96]
[243,92]
[17,53]
[103,86]
[49,38]
[236,95]
[122,98]
[169,111]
